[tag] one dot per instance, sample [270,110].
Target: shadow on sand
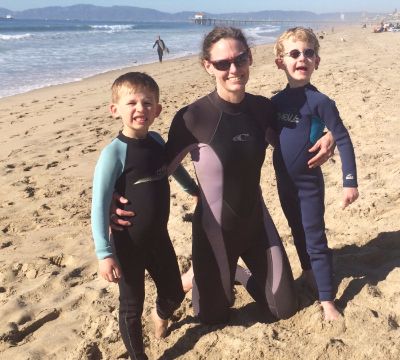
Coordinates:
[366,265]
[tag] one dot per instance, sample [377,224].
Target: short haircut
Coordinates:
[298,34]
[132,81]
[219,33]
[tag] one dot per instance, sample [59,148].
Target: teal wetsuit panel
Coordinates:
[108,169]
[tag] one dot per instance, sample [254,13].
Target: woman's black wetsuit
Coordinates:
[227,146]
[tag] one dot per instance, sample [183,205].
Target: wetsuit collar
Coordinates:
[127,139]
[301,88]
[226,106]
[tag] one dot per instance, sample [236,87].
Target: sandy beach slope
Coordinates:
[54,306]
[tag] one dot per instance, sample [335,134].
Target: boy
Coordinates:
[303,113]
[134,165]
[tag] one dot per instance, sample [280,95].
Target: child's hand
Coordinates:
[109,269]
[349,196]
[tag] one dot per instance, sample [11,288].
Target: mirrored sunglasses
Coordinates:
[308,53]
[223,65]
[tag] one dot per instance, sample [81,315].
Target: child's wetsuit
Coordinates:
[227,146]
[302,115]
[136,169]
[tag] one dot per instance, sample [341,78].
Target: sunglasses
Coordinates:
[239,61]
[308,53]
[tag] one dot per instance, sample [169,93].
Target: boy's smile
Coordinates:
[298,69]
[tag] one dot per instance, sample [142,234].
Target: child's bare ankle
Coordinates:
[160,325]
[331,313]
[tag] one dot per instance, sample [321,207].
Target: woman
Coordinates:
[225,133]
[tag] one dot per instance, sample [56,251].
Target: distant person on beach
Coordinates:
[134,165]
[160,47]
[303,113]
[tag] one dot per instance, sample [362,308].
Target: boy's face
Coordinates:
[298,70]
[138,108]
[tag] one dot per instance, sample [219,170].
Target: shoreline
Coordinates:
[54,305]
[321,27]
[94,75]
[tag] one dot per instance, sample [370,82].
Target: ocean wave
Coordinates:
[263,33]
[15,37]
[112,28]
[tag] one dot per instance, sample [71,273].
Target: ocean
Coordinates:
[39,53]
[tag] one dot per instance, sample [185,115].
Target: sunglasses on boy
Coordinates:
[308,53]
[224,65]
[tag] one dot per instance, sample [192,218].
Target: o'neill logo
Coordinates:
[241,137]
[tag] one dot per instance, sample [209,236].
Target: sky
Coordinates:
[220,6]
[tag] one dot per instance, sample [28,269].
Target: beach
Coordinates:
[54,305]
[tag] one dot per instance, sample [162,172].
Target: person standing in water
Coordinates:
[160,47]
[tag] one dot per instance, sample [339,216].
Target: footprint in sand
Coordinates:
[52,164]
[30,191]
[15,334]
[58,120]
[5,244]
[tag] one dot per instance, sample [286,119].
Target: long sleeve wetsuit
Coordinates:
[302,115]
[160,48]
[136,169]
[227,146]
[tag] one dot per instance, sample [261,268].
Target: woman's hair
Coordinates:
[219,33]
[298,34]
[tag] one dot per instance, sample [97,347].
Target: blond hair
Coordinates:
[132,81]
[298,34]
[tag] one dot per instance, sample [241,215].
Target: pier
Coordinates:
[236,22]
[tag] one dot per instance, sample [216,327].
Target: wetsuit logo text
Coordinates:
[290,118]
[241,137]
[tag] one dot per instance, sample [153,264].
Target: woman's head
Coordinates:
[226,56]
[219,33]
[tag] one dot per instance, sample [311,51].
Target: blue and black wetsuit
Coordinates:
[227,146]
[136,169]
[303,113]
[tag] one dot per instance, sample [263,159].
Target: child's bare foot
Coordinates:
[160,325]
[330,311]
[187,280]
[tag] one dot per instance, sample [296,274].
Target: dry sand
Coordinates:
[53,304]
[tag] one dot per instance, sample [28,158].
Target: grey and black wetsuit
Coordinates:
[303,113]
[136,169]
[227,146]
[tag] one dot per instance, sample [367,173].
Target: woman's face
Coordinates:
[231,81]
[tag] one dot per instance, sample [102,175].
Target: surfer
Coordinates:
[160,47]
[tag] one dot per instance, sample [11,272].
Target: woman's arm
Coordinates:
[325,147]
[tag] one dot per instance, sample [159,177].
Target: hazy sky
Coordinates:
[219,6]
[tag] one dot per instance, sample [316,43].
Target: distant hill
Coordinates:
[131,13]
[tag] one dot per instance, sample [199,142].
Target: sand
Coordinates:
[54,305]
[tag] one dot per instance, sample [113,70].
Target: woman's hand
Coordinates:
[116,223]
[326,146]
